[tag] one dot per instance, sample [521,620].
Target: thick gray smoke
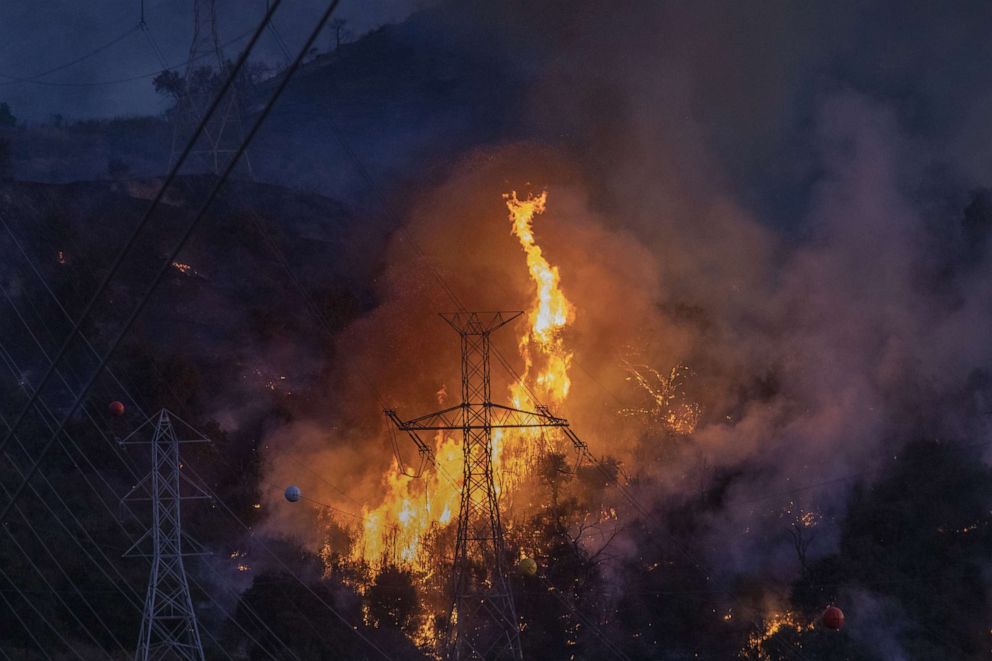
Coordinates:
[744,191]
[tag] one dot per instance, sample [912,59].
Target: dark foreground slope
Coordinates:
[232,340]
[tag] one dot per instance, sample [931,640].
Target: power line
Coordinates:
[213,193]
[85,534]
[128,79]
[28,629]
[120,583]
[8,360]
[17,615]
[286,568]
[143,222]
[116,449]
[52,366]
[59,597]
[117,452]
[56,630]
[280,42]
[159,55]
[366,174]
[14,80]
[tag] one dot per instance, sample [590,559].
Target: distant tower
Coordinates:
[205,69]
[483,622]
[168,626]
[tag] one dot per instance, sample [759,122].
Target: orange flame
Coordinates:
[774,623]
[550,311]
[414,508]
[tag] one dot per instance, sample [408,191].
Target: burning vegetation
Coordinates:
[417,508]
[626,543]
[412,529]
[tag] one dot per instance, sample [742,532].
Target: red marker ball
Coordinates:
[116,409]
[833,618]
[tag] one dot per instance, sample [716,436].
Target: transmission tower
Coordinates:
[205,66]
[168,626]
[482,621]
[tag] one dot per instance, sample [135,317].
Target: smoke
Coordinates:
[402,354]
[729,191]
[877,623]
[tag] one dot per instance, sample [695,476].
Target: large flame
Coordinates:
[550,312]
[415,507]
[542,347]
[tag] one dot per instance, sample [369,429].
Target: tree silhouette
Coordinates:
[6,116]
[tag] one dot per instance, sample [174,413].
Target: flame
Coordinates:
[542,347]
[550,311]
[667,402]
[773,623]
[414,508]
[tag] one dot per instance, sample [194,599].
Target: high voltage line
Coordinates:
[146,218]
[34,396]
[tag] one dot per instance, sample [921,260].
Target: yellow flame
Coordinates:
[412,509]
[550,310]
[773,623]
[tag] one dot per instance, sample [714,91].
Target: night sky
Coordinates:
[41,36]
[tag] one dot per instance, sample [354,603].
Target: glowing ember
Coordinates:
[667,403]
[774,624]
[187,269]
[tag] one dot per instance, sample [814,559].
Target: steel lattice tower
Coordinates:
[223,133]
[482,623]
[168,626]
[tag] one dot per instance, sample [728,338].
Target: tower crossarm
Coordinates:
[509,417]
[479,323]
[500,417]
[422,446]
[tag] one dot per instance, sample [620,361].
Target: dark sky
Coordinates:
[38,36]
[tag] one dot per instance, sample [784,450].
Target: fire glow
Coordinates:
[416,508]
[775,622]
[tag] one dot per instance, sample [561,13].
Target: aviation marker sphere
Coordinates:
[833,618]
[527,566]
[293,493]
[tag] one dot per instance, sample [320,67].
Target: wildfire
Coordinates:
[412,509]
[542,347]
[550,311]
[415,508]
[187,269]
[774,624]
[667,404]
